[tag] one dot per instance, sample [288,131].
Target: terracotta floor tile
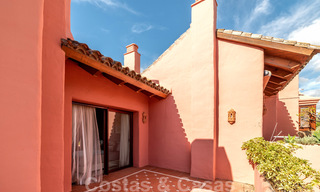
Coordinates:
[155,179]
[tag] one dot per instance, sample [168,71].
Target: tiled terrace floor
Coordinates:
[157,179]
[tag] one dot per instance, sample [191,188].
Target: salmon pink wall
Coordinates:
[67,18]
[308,152]
[168,145]
[282,109]
[260,183]
[20,82]
[288,108]
[33,52]
[186,68]
[270,125]
[241,70]
[202,159]
[53,59]
[83,87]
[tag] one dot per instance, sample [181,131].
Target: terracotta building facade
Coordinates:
[190,111]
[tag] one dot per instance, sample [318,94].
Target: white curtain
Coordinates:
[124,141]
[86,152]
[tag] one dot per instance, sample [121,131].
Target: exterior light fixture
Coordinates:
[231,116]
[144,117]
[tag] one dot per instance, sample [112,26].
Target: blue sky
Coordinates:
[110,25]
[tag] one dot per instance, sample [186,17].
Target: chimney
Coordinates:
[204,13]
[204,68]
[132,58]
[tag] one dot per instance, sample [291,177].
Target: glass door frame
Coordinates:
[106,170]
[131,139]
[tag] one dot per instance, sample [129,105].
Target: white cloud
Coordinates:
[311,86]
[310,33]
[109,3]
[303,80]
[313,93]
[141,27]
[314,65]
[300,15]
[262,8]
[310,75]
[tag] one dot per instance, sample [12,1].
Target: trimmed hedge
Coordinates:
[280,167]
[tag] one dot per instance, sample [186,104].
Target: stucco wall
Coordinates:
[310,153]
[52,124]
[187,68]
[240,88]
[288,108]
[202,159]
[33,77]
[260,183]
[270,125]
[20,82]
[82,87]
[281,117]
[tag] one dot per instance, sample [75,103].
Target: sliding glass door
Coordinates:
[101,141]
[119,137]
[86,152]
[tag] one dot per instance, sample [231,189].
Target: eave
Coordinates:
[283,58]
[93,61]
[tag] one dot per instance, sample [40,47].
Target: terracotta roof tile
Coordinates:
[301,44]
[269,38]
[236,32]
[289,42]
[228,31]
[220,30]
[107,61]
[315,46]
[256,36]
[277,40]
[245,34]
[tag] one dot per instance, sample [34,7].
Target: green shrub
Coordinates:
[307,141]
[316,134]
[276,163]
[290,139]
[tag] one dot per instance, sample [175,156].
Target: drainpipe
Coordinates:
[216,98]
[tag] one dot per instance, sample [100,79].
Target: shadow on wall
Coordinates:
[202,159]
[269,117]
[223,167]
[168,145]
[285,122]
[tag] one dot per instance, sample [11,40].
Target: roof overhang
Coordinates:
[308,100]
[283,58]
[93,61]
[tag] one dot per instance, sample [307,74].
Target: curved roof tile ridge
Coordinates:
[107,61]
